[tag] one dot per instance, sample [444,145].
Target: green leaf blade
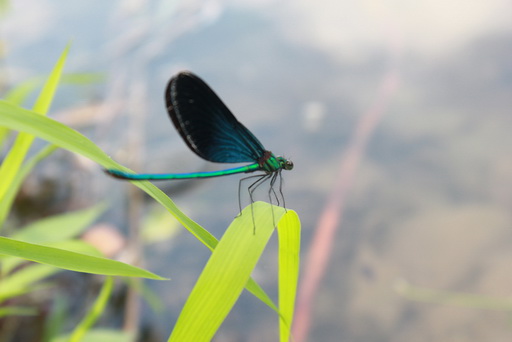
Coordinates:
[16,155]
[46,96]
[289,261]
[71,260]
[226,273]
[13,188]
[23,280]
[59,227]
[93,314]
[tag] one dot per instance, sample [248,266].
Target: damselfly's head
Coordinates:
[286,164]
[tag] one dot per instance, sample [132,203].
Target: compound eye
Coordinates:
[288,165]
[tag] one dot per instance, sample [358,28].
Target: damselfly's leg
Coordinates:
[251,190]
[281,189]
[271,191]
[259,176]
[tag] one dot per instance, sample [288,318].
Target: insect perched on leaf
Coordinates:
[210,130]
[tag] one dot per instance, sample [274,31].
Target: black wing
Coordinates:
[206,124]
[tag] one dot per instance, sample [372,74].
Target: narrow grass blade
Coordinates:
[47,94]
[14,186]
[56,230]
[17,153]
[440,297]
[17,311]
[94,313]
[9,263]
[102,335]
[23,280]
[289,252]
[59,227]
[71,260]
[83,78]
[56,318]
[17,96]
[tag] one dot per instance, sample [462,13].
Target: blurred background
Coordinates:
[397,116]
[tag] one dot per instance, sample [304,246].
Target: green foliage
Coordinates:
[51,242]
[228,270]
[12,177]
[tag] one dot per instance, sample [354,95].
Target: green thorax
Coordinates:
[270,163]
